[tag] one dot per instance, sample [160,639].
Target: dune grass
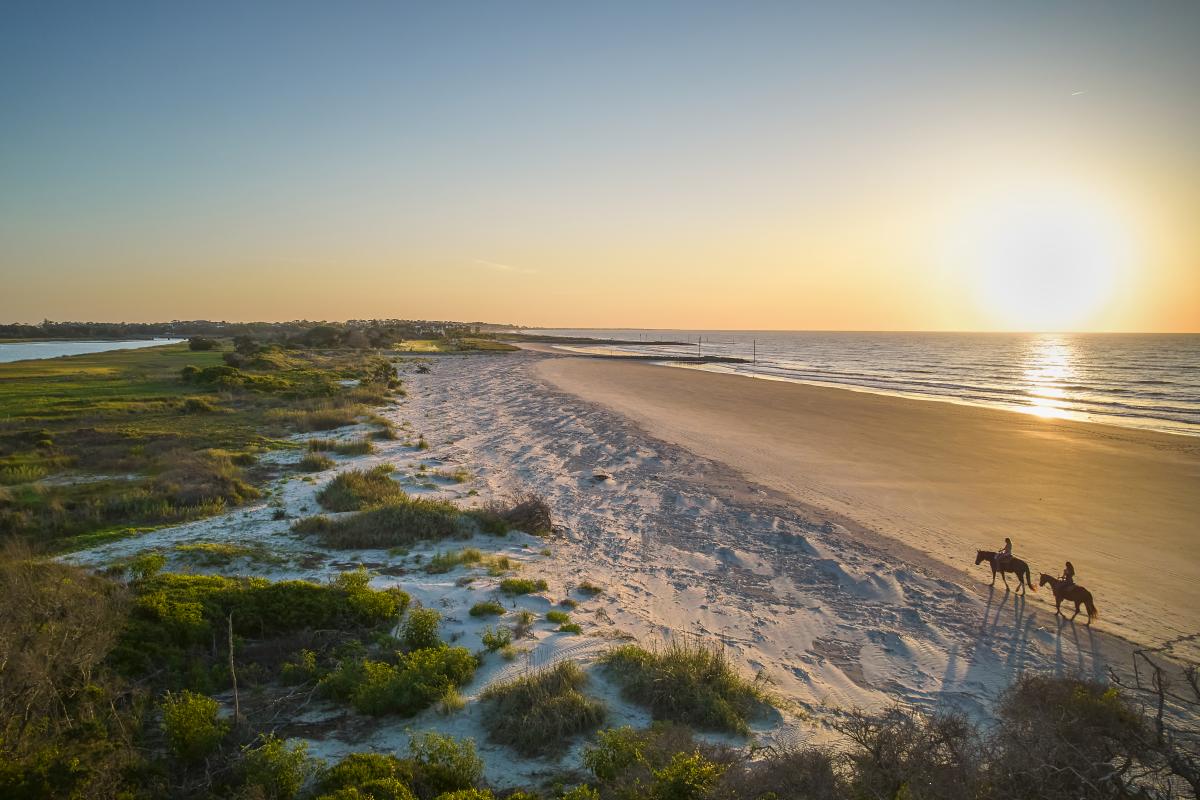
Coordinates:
[693,683]
[444,562]
[314,462]
[356,489]
[515,586]
[401,522]
[540,713]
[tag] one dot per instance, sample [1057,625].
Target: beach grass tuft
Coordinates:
[689,682]
[356,489]
[540,713]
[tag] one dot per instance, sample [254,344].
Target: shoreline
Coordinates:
[944,479]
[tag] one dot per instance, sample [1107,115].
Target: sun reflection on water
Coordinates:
[1049,363]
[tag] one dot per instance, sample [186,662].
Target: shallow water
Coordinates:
[1134,380]
[26,351]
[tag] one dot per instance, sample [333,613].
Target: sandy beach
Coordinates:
[944,479]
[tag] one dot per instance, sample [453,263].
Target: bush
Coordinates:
[900,750]
[200,343]
[314,462]
[368,775]
[357,489]
[687,777]
[571,627]
[689,683]
[1064,735]
[487,608]
[400,523]
[415,682]
[535,714]
[191,724]
[278,771]
[421,629]
[515,586]
[146,565]
[558,617]
[176,617]
[497,638]
[444,764]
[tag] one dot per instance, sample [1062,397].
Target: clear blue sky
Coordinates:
[690,163]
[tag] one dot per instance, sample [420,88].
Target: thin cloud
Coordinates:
[498,267]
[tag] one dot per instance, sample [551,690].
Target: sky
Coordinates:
[756,165]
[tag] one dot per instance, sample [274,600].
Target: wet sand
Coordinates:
[1123,505]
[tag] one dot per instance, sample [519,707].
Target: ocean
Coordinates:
[1134,380]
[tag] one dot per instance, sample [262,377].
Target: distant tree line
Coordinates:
[296,333]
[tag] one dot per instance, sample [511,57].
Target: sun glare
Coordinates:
[1046,261]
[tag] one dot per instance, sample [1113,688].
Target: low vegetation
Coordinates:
[442,563]
[357,489]
[314,462]
[488,608]
[136,439]
[540,713]
[691,683]
[401,522]
[515,586]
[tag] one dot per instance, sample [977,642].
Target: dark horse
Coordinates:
[1075,594]
[1013,565]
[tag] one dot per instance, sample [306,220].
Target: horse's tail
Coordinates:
[1029,579]
[1091,607]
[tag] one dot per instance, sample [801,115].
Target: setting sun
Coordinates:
[1046,260]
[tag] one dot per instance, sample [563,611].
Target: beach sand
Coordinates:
[945,479]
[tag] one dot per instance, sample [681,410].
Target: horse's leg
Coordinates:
[1021,582]
[1058,606]
[1004,578]
[1076,614]
[993,576]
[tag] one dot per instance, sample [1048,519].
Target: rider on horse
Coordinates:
[1068,576]
[1004,553]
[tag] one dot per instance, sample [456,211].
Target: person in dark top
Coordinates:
[1004,553]
[1068,576]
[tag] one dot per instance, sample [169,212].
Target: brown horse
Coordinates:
[1074,594]
[1013,565]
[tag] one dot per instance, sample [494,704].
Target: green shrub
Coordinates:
[615,751]
[583,792]
[444,764]
[487,608]
[497,638]
[277,770]
[317,523]
[373,775]
[420,629]
[571,627]
[467,794]
[176,617]
[687,777]
[415,682]
[690,683]
[515,586]
[356,489]
[146,565]
[558,617]
[202,343]
[400,523]
[314,462]
[191,724]
[539,713]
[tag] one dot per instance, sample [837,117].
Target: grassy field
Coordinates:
[465,345]
[101,445]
